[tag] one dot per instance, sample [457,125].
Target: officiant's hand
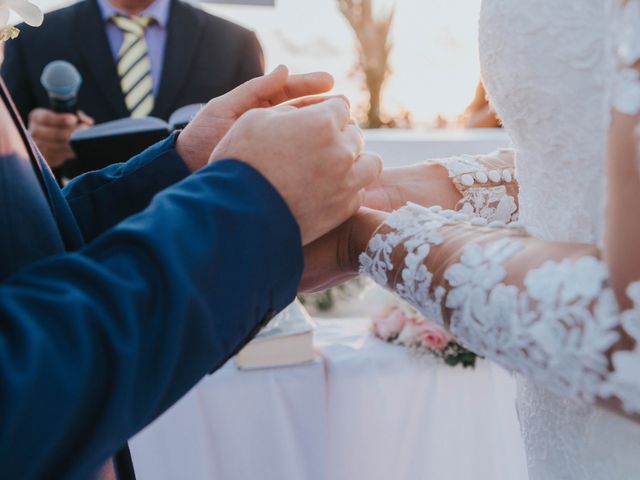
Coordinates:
[52,131]
[311,155]
[333,258]
[203,133]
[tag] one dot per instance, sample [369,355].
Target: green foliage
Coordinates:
[327,300]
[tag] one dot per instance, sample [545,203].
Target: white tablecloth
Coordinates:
[364,410]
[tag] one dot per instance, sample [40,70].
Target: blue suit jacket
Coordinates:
[116,299]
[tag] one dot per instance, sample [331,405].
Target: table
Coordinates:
[364,410]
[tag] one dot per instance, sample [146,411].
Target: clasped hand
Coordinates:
[312,153]
[309,149]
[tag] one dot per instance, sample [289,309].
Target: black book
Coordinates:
[119,140]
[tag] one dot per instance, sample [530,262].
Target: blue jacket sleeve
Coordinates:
[96,344]
[101,199]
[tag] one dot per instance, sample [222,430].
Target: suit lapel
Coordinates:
[183,32]
[94,45]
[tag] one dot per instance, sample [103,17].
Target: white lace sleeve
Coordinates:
[626,32]
[486,183]
[558,323]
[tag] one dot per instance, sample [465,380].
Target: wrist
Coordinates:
[426,184]
[441,190]
[363,226]
[190,155]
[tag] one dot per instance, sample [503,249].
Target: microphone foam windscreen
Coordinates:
[60,78]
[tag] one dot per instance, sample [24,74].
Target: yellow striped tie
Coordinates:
[134,67]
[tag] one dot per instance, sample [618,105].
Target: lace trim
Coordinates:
[623,382]
[482,181]
[492,204]
[626,96]
[557,329]
[416,235]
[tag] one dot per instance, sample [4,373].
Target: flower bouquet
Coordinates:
[400,324]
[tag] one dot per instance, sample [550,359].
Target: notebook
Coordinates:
[286,340]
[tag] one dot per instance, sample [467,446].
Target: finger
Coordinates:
[284,108]
[85,119]
[354,204]
[308,101]
[336,109]
[256,92]
[366,170]
[47,117]
[304,85]
[353,138]
[275,88]
[378,198]
[54,135]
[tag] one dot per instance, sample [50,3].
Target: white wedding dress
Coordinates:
[547,67]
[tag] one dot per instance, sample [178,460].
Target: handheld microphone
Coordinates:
[62,81]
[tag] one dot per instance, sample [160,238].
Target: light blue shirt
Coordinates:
[155,35]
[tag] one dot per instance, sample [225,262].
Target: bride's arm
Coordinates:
[482,185]
[550,310]
[547,309]
[542,308]
[623,222]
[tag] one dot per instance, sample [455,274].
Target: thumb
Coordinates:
[85,119]
[257,91]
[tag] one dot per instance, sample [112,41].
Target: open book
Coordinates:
[119,140]
[286,340]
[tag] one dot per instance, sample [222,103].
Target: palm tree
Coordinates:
[374,48]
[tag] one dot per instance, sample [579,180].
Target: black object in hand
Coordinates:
[62,81]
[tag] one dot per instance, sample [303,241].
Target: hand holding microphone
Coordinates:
[52,128]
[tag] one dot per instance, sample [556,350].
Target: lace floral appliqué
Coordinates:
[482,181]
[626,88]
[556,329]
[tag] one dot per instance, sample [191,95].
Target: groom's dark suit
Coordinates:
[116,299]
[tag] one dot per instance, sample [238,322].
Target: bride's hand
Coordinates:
[333,258]
[424,184]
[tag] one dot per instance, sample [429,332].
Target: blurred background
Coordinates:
[420,56]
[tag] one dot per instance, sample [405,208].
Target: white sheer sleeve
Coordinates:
[486,184]
[623,158]
[626,33]
[542,308]
[550,310]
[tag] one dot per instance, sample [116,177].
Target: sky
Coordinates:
[434,58]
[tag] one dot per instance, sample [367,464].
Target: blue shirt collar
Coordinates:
[158,10]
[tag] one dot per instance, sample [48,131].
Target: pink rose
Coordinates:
[389,323]
[433,337]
